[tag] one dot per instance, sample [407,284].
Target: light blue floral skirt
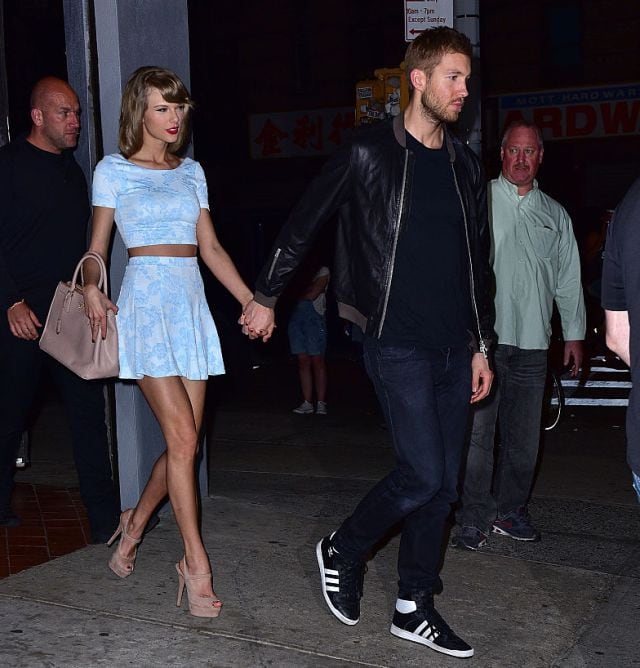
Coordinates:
[165,327]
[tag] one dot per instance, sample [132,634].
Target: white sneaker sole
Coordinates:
[414,637]
[334,610]
[501,532]
[461,545]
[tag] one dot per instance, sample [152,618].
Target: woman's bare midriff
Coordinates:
[164,250]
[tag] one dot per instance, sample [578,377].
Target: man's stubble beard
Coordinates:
[435,111]
[63,142]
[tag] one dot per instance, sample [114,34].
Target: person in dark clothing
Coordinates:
[43,232]
[412,271]
[621,301]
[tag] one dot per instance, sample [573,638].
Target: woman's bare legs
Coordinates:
[312,370]
[319,367]
[178,405]
[304,373]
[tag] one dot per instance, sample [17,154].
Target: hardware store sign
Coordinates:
[577,113]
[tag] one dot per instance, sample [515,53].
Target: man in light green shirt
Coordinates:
[535,261]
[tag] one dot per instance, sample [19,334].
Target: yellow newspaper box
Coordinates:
[369,101]
[383,97]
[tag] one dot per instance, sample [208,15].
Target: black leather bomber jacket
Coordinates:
[369,182]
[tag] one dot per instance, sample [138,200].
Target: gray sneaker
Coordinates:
[305,408]
[321,408]
[470,538]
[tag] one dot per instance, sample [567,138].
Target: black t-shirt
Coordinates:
[621,292]
[430,299]
[44,210]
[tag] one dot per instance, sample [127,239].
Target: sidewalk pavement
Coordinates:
[279,482]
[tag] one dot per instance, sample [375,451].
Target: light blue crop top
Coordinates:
[152,206]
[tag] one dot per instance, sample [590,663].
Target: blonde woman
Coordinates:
[167,338]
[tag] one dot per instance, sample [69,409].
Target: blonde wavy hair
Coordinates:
[134,104]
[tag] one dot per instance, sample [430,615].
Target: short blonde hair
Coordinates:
[134,104]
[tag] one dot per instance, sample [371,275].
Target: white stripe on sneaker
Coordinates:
[421,628]
[331,580]
[414,637]
[430,633]
[324,571]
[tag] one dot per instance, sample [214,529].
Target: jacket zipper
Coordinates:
[481,343]
[273,263]
[395,244]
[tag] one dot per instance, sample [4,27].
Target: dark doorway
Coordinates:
[34,46]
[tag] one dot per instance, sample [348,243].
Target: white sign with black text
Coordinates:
[420,15]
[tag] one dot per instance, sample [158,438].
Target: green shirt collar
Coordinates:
[513,189]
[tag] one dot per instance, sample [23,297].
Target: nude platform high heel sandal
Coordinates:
[199,606]
[123,566]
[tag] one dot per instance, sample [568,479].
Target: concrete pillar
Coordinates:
[81,61]
[4,96]
[129,34]
[77,33]
[466,19]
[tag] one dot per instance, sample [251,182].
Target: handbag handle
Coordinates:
[103,283]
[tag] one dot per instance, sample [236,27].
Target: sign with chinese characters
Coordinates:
[577,113]
[295,134]
[420,15]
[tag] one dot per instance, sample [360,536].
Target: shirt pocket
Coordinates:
[544,241]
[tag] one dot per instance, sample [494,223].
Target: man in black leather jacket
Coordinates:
[412,270]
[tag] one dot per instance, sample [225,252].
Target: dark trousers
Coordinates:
[21,364]
[516,404]
[424,395]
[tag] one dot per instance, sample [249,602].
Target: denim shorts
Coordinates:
[307,330]
[636,484]
[165,326]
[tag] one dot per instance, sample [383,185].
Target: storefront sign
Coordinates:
[295,134]
[578,113]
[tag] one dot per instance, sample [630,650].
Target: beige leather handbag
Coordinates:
[67,335]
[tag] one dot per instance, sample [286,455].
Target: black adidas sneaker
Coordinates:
[426,626]
[341,582]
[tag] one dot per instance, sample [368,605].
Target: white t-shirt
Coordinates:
[320,302]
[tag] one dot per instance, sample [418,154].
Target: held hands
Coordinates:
[257,321]
[23,322]
[481,378]
[96,305]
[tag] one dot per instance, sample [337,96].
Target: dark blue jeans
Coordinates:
[516,404]
[424,395]
[21,363]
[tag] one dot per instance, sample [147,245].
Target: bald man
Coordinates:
[43,228]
